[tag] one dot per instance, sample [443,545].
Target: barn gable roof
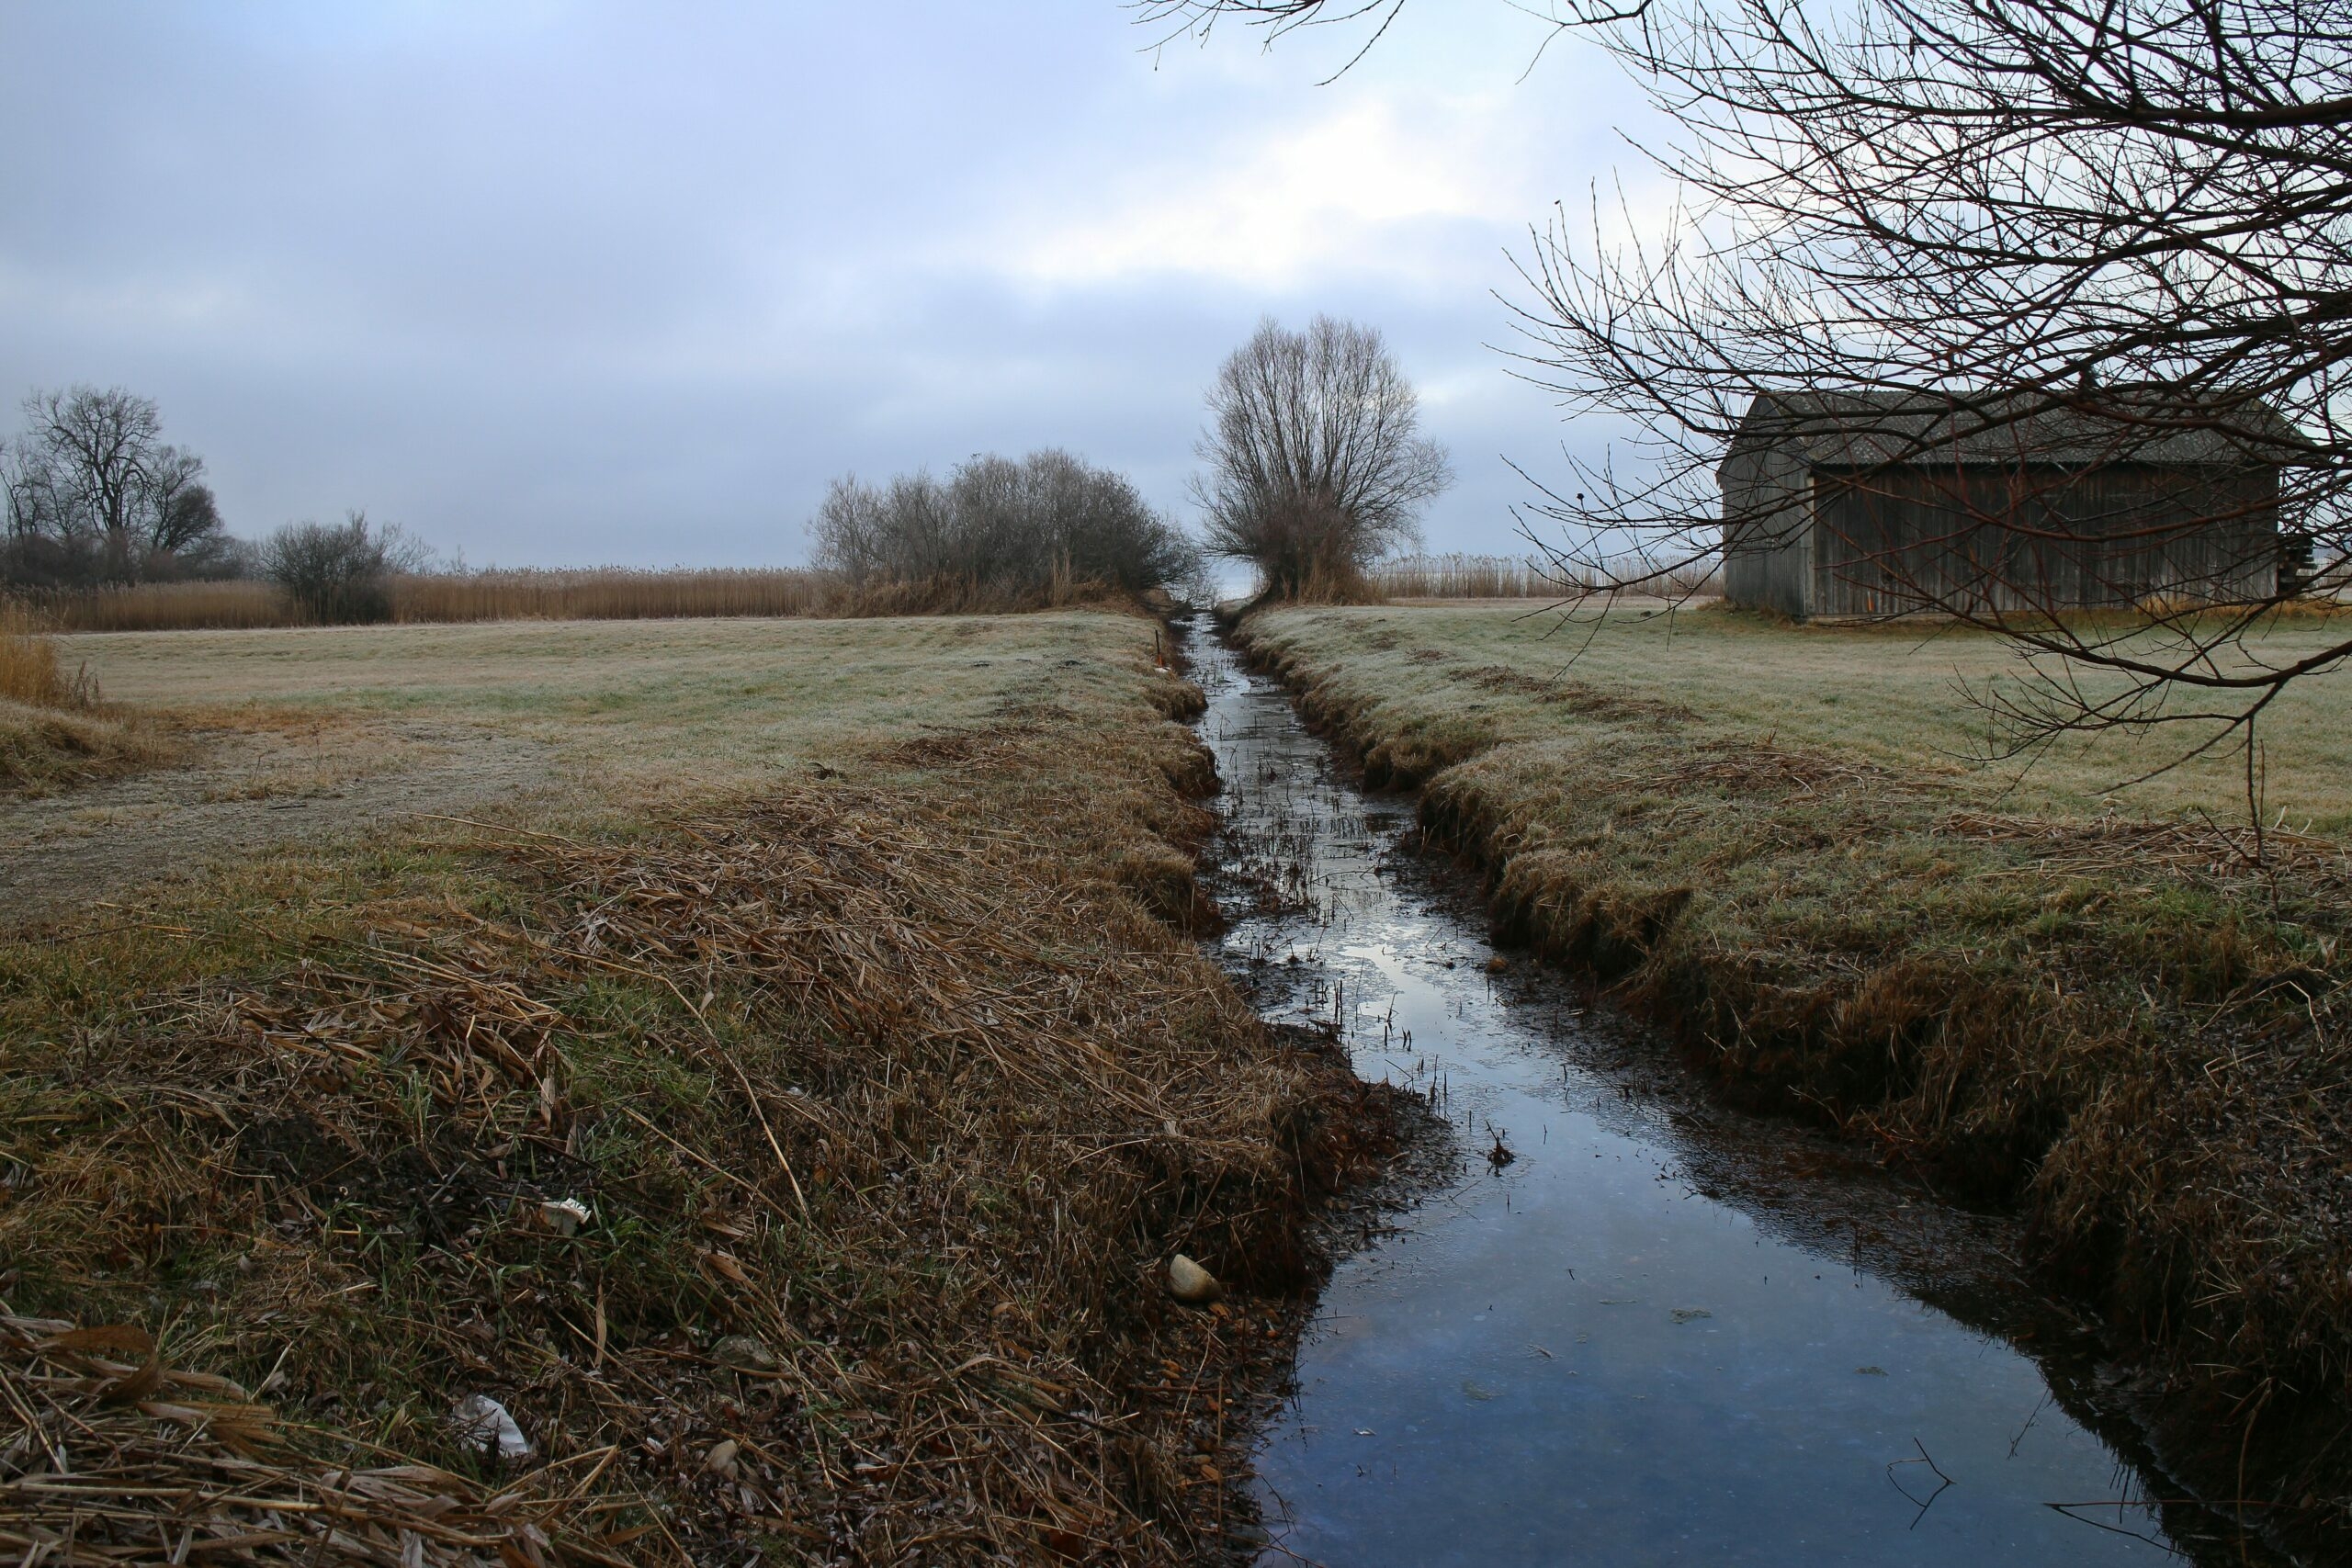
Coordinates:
[1874,429]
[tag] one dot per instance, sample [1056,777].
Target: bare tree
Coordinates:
[2047,243]
[1316,463]
[91,489]
[180,509]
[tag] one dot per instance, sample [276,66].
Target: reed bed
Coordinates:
[1457,575]
[29,672]
[882,1122]
[608,593]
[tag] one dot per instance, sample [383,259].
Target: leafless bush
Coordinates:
[997,531]
[339,575]
[1316,463]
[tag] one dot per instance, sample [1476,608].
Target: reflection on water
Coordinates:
[1630,1343]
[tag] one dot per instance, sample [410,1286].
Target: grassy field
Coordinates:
[835,973]
[635,711]
[2096,1006]
[1888,696]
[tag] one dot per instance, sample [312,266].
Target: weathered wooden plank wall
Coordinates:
[1768,530]
[1892,540]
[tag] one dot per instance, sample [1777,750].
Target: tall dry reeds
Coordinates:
[1460,575]
[609,594]
[29,668]
[52,733]
[604,594]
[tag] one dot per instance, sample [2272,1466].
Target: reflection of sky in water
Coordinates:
[1584,1360]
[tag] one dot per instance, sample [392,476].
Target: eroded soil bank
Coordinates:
[1664,1329]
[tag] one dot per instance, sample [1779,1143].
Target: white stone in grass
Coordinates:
[1189,1282]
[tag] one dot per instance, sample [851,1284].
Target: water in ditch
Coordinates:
[1660,1333]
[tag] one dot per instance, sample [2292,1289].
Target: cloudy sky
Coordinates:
[556,283]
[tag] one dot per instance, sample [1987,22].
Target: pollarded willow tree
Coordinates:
[1314,463]
[1993,253]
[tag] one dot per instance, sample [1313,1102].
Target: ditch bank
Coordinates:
[2148,1078]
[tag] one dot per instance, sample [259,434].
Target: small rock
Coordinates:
[720,1461]
[1188,1282]
[483,1422]
[740,1352]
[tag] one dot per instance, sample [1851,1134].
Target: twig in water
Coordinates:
[1944,1481]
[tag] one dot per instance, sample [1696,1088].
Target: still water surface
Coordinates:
[1659,1334]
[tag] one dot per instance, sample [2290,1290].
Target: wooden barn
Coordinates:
[1872,504]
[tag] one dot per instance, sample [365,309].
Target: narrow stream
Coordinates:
[1661,1332]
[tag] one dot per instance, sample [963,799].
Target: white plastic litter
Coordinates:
[483,1422]
[565,1215]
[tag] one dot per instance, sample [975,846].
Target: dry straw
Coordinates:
[887,1122]
[112,1456]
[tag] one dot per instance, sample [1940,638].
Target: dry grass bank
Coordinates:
[1759,836]
[886,1091]
[52,733]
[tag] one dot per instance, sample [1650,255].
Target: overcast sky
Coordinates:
[558,284]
